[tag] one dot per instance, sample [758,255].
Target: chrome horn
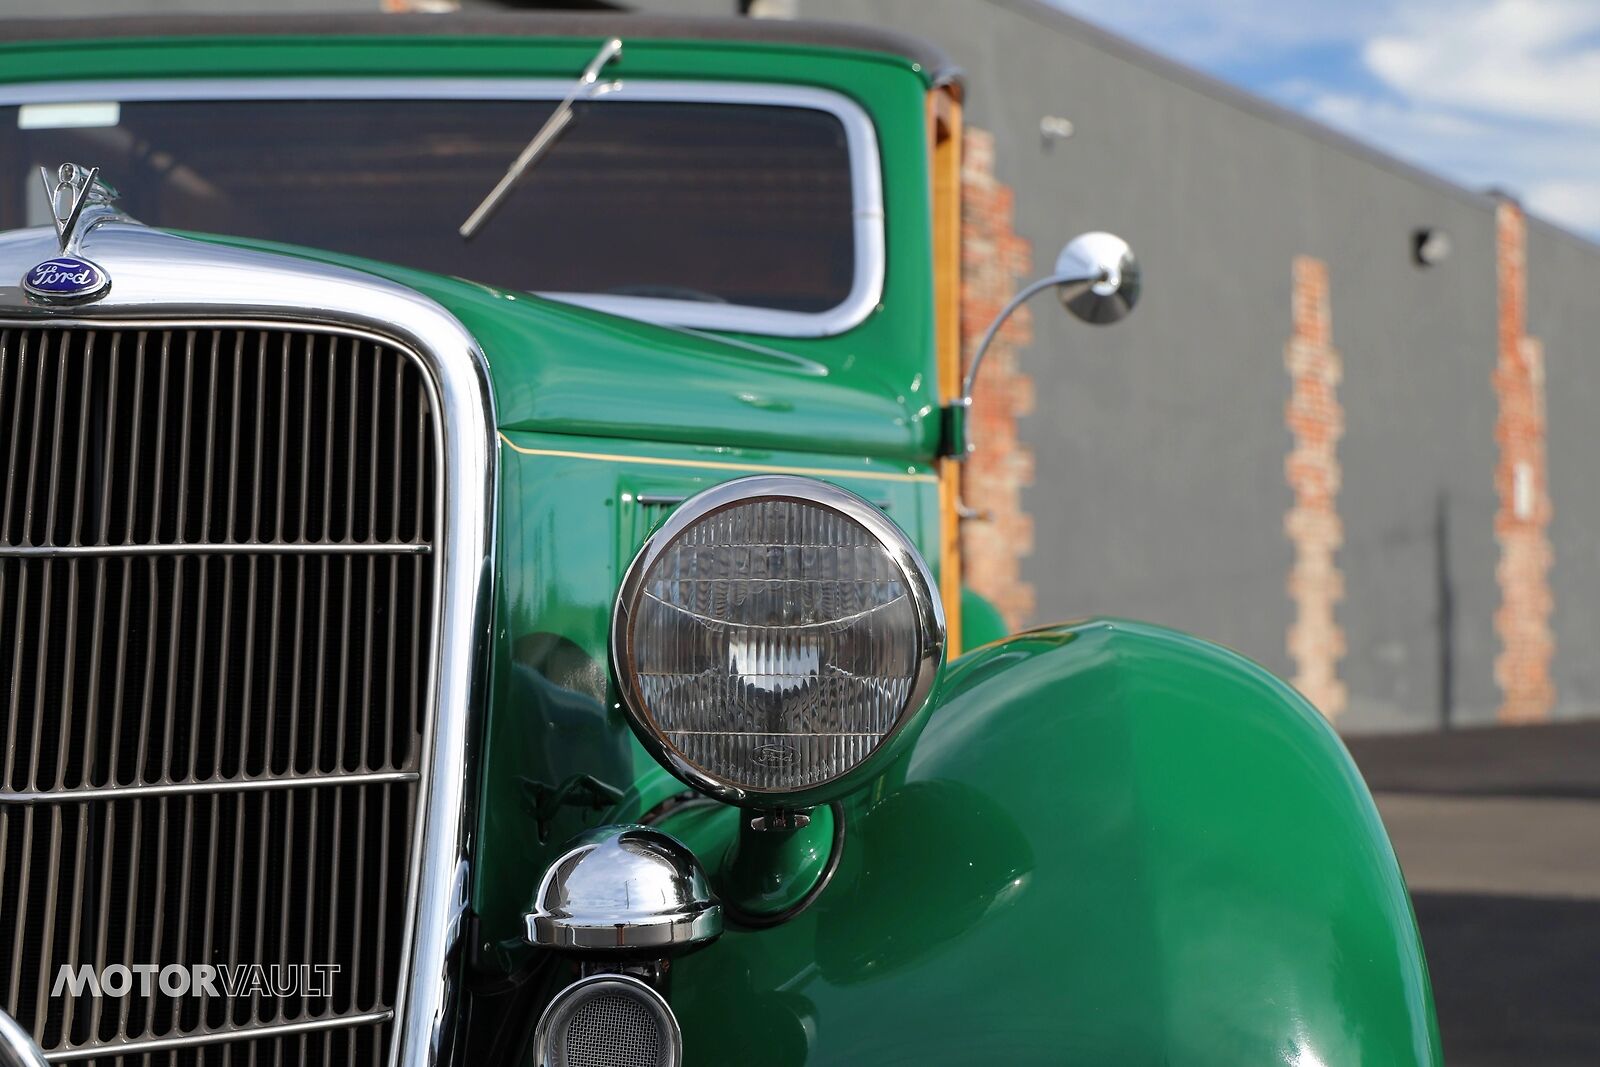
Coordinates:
[625,889]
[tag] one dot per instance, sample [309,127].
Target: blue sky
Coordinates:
[1502,93]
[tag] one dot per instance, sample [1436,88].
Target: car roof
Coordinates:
[936,65]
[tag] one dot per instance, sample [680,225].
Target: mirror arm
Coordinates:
[957,440]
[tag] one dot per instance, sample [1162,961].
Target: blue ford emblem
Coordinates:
[66,279]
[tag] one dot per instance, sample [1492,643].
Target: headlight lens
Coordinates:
[772,634]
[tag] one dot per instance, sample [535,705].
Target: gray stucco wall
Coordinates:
[1160,443]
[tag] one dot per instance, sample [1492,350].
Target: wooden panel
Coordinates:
[944,133]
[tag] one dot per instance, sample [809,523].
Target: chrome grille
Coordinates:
[216,620]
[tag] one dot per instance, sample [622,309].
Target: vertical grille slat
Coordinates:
[36,423]
[216,615]
[13,423]
[356,1000]
[81,440]
[331,921]
[47,927]
[54,465]
[18,927]
[134,420]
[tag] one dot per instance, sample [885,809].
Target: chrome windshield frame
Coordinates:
[162,279]
[866,171]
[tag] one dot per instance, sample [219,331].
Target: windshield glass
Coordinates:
[718,203]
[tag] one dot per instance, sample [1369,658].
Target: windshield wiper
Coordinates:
[557,122]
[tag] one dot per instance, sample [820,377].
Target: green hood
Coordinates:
[559,368]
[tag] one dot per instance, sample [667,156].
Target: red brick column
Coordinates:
[993,260]
[1316,421]
[1527,645]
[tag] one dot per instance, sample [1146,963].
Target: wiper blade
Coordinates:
[552,128]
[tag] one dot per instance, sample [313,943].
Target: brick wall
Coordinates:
[1316,422]
[993,261]
[1522,670]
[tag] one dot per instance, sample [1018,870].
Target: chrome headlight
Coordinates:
[772,635]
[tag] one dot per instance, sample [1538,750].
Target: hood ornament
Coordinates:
[70,278]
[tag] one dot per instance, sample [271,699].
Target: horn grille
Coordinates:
[608,1020]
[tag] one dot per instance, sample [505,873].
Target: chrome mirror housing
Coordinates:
[1097,278]
[625,890]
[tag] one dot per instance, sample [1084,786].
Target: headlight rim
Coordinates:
[927,610]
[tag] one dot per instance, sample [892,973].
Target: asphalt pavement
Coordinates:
[1498,831]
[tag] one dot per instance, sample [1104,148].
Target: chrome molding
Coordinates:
[919,584]
[672,500]
[16,1046]
[163,1044]
[260,548]
[866,172]
[165,280]
[173,789]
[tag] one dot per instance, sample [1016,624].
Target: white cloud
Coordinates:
[1502,93]
[1554,170]
[1575,203]
[1388,121]
[1491,92]
[1528,59]
[1207,32]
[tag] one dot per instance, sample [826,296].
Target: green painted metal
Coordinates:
[377,55]
[559,368]
[757,874]
[981,621]
[574,510]
[1111,844]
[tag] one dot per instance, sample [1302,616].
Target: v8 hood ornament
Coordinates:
[69,278]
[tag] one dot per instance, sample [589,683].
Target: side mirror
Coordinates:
[1097,278]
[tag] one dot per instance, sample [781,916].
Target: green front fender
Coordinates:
[1112,844]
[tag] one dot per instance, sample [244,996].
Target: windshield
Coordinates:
[712,203]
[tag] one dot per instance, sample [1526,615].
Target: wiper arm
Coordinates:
[557,122]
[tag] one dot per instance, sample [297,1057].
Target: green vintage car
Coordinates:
[479,584]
